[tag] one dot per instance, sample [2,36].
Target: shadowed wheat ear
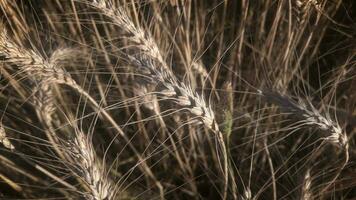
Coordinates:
[309,116]
[4,140]
[149,61]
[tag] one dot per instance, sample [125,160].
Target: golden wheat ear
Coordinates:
[90,168]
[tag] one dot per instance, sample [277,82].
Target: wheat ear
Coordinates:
[150,62]
[309,115]
[90,169]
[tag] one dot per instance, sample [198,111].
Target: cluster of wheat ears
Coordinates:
[177,99]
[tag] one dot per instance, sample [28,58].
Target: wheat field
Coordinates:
[177,99]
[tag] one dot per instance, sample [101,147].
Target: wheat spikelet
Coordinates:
[4,140]
[65,56]
[44,102]
[303,8]
[306,189]
[246,195]
[200,69]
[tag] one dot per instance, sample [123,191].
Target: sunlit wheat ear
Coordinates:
[4,140]
[177,92]
[89,168]
[150,62]
[309,116]
[141,39]
[306,188]
[38,69]
[30,63]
